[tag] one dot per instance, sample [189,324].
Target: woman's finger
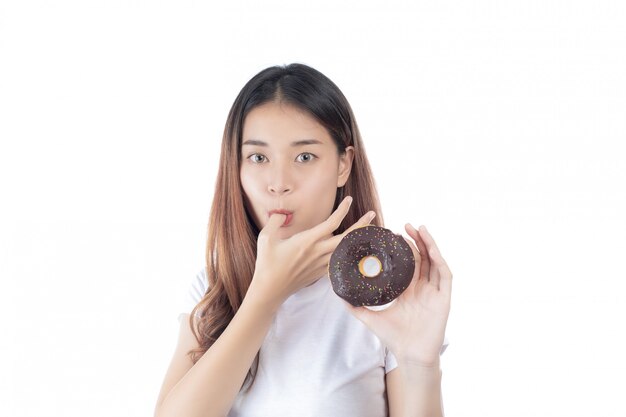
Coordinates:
[328,226]
[363,314]
[329,245]
[274,223]
[440,263]
[418,262]
[445,283]
[433,276]
[433,249]
[365,220]
[425,259]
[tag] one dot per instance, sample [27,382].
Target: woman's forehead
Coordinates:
[280,125]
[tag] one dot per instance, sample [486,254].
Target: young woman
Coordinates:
[264,334]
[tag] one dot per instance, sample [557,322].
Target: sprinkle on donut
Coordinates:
[371,266]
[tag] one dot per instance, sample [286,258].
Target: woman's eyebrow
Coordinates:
[293,144]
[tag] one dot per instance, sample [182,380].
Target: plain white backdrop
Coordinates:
[499,125]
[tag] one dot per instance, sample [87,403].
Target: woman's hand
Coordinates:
[413,327]
[283,266]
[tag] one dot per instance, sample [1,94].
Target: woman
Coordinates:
[266,335]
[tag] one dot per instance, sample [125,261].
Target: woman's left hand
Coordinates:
[413,327]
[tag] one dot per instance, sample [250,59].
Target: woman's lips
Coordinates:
[286,212]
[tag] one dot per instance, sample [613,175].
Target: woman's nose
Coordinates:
[280,181]
[279,189]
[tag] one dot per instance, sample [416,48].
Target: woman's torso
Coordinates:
[317,360]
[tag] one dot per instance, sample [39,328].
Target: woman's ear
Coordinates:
[345,166]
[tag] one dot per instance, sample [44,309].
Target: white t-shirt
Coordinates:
[317,359]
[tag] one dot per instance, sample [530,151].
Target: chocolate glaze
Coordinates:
[395,255]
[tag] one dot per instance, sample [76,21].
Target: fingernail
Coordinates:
[349,198]
[371,215]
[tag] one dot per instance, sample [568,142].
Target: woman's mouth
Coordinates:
[286,212]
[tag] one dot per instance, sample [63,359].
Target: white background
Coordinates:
[499,125]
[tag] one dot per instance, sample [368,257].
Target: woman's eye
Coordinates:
[310,156]
[255,160]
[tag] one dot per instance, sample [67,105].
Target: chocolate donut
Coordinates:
[371,266]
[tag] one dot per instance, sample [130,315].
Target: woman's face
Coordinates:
[278,172]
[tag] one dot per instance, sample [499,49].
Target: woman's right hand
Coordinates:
[283,266]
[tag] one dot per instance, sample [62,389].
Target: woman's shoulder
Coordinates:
[196,289]
[202,275]
[199,284]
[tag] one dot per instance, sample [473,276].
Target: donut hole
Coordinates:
[370,266]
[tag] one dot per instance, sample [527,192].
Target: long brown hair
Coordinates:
[232,233]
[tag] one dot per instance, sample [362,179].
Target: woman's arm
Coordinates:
[414,391]
[413,328]
[210,387]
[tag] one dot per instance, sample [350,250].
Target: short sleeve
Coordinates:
[195,291]
[446,342]
[391,362]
